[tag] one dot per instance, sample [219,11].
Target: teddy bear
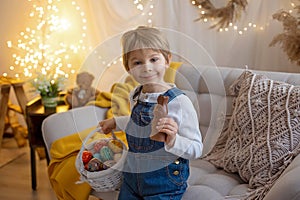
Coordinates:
[83,93]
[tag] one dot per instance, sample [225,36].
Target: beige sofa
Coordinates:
[209,89]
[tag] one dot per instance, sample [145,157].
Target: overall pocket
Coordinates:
[178,171]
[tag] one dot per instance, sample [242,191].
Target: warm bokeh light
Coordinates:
[53,41]
[140,5]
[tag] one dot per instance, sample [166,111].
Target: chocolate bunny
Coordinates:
[160,110]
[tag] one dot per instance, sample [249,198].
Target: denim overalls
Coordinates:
[150,172]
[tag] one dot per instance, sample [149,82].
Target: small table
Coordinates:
[35,114]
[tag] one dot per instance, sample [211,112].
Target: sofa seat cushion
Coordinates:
[208,182]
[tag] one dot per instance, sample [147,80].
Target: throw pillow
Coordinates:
[263,136]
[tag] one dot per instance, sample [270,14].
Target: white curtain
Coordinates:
[193,40]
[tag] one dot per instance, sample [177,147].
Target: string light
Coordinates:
[140,5]
[234,27]
[52,43]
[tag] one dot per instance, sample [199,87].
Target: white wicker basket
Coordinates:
[105,180]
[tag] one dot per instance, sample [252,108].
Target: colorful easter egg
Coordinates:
[117,157]
[115,145]
[86,156]
[99,144]
[94,165]
[97,155]
[106,153]
[86,166]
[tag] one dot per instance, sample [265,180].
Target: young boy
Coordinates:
[155,169]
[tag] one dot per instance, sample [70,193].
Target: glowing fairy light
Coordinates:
[240,29]
[145,7]
[9,44]
[43,46]
[140,5]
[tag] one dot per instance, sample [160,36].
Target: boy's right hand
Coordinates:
[107,125]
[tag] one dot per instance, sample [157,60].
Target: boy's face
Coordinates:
[147,66]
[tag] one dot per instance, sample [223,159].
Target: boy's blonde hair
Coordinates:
[144,38]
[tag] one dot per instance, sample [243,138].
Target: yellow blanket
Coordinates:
[62,172]
[117,99]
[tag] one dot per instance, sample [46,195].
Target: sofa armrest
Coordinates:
[288,184]
[62,124]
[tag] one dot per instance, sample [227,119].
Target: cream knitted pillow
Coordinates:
[264,131]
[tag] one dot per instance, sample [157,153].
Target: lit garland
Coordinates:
[227,15]
[53,42]
[140,5]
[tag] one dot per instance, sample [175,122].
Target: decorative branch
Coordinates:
[226,15]
[290,38]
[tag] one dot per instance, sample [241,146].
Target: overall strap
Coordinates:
[172,93]
[137,92]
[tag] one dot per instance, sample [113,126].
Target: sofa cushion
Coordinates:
[263,134]
[208,182]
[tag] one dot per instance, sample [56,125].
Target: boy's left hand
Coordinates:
[168,126]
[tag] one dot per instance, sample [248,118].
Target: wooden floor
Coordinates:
[15,177]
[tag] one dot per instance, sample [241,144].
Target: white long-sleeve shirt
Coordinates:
[188,142]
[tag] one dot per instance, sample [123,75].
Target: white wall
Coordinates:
[224,48]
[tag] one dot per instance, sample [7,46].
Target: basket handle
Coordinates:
[97,129]
[114,135]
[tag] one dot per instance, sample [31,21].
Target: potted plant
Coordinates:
[49,87]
